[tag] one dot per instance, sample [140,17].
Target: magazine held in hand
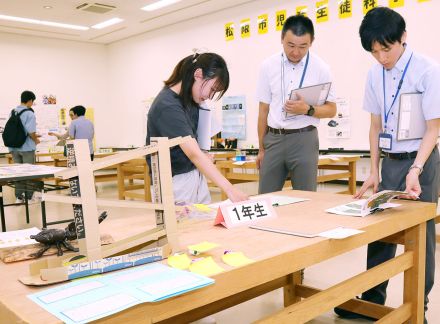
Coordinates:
[364,207]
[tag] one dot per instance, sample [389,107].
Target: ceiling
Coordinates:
[136,21]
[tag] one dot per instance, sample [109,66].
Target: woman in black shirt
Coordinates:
[175,112]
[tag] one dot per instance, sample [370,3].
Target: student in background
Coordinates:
[80,128]
[26,153]
[410,165]
[290,144]
[175,112]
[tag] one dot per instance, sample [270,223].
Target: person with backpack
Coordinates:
[22,119]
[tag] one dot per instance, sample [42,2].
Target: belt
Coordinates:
[401,156]
[280,131]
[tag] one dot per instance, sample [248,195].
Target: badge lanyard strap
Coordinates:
[387,113]
[282,75]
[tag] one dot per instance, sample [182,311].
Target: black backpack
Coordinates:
[14,134]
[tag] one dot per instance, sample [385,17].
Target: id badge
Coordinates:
[385,141]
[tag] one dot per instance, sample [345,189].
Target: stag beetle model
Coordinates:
[58,237]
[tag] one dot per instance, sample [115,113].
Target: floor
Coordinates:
[322,275]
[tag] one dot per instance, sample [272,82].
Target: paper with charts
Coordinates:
[86,300]
[364,207]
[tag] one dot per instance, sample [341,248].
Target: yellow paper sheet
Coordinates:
[201,247]
[179,261]
[205,267]
[236,259]
[202,208]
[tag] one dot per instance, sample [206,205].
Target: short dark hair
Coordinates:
[27,95]
[212,65]
[382,25]
[78,110]
[299,25]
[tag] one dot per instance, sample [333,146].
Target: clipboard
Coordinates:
[411,123]
[315,95]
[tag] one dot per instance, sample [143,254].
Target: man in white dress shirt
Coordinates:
[410,165]
[288,138]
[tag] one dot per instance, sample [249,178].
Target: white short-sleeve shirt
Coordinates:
[422,76]
[269,87]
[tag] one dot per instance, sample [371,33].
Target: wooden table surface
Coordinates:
[278,260]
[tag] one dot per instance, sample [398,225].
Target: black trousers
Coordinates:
[393,178]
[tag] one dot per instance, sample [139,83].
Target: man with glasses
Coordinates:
[80,128]
[288,138]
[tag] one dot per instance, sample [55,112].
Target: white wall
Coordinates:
[115,79]
[75,72]
[139,64]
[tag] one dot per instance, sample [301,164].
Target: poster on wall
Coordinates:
[47,115]
[234,117]
[340,125]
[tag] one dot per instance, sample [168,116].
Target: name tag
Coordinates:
[385,141]
[244,212]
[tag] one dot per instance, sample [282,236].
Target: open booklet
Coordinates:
[364,207]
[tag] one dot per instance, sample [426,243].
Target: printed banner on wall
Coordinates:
[229,31]
[322,11]
[301,10]
[245,28]
[263,24]
[280,18]
[367,5]
[396,3]
[345,9]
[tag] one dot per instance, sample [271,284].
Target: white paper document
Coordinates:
[315,95]
[86,300]
[207,127]
[340,233]
[411,123]
[364,207]
[335,233]
[18,238]
[279,200]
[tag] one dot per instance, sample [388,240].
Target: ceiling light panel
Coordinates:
[159,4]
[42,22]
[107,23]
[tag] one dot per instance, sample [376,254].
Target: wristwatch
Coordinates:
[311,111]
[416,166]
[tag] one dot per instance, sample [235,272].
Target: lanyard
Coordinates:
[387,113]
[302,77]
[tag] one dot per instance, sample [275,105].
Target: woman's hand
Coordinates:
[236,195]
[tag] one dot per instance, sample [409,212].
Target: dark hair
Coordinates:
[299,25]
[212,65]
[26,96]
[382,25]
[78,110]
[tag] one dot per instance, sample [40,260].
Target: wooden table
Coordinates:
[278,260]
[40,158]
[346,165]
[13,174]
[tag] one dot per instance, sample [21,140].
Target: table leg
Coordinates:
[43,211]
[414,278]
[290,295]
[2,209]
[352,179]
[26,202]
